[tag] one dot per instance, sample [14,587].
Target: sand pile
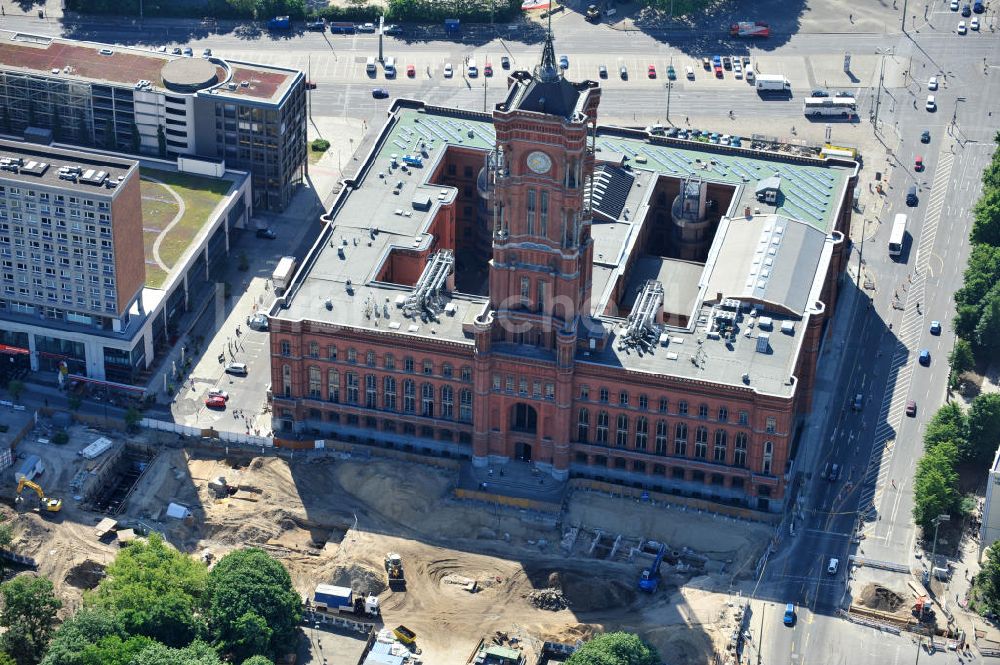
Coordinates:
[361,579]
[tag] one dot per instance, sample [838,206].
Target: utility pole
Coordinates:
[485,79]
[381,27]
[904,16]
[760,643]
[878,96]
[861,252]
[944,517]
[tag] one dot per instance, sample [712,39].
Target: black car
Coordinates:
[318,26]
[911,196]
[966,10]
[820,93]
[978,7]
[392,30]
[380,93]
[267,233]
[844,93]
[726,62]
[925,136]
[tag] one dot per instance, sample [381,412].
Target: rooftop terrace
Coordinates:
[31,164]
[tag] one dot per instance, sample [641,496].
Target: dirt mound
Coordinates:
[360,578]
[85,575]
[404,494]
[548,599]
[877,597]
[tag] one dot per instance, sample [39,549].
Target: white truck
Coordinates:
[773,83]
[283,272]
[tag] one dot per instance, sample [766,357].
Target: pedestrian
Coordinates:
[851,17]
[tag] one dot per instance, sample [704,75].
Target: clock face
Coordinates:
[539,162]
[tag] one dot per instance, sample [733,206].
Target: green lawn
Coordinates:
[200,195]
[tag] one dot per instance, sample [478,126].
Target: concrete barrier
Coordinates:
[510,501]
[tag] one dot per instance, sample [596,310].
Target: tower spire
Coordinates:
[547,70]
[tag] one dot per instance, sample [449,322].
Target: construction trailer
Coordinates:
[336,599]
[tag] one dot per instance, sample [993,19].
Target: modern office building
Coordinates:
[74,296]
[151,103]
[527,286]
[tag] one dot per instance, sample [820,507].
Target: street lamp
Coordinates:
[670,87]
[944,517]
[881,78]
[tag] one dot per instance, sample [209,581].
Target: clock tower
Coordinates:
[540,274]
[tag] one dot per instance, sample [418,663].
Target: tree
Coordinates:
[89,625]
[986,589]
[154,591]
[132,418]
[6,659]
[984,428]
[986,224]
[948,424]
[935,486]
[250,595]
[113,650]
[29,612]
[987,333]
[198,653]
[16,388]
[961,361]
[615,649]
[252,660]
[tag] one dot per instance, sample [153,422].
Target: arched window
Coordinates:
[602,427]
[409,396]
[427,400]
[389,393]
[621,435]
[371,391]
[719,452]
[465,405]
[333,385]
[315,383]
[740,450]
[768,454]
[582,426]
[286,380]
[447,402]
[701,442]
[681,439]
[641,432]
[661,437]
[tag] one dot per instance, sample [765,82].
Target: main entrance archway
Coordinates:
[522,451]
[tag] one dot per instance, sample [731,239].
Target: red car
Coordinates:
[651,71]
[215,402]
[918,163]
[488,69]
[411,71]
[911,408]
[718,71]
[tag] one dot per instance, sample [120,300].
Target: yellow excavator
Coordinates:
[49,505]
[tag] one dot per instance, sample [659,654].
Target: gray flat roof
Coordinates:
[374,216]
[40,165]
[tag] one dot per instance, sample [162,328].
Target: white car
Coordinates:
[961,27]
[448,71]
[974,23]
[690,72]
[931,103]
[932,83]
[954,5]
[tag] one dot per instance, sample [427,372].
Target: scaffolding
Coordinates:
[428,294]
[642,328]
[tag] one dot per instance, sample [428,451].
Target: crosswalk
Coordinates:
[901,369]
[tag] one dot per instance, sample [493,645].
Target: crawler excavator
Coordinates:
[45,503]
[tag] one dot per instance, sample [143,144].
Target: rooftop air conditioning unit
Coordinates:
[245,84]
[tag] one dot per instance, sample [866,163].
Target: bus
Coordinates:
[898,235]
[845,107]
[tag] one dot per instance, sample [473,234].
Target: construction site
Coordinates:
[458,573]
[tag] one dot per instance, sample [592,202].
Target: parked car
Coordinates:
[718,71]
[961,27]
[918,163]
[623,72]
[207,53]
[188,51]
[966,10]
[448,70]
[366,27]
[671,72]
[726,62]
[176,50]
[319,26]
[974,23]
[911,408]
[925,136]
[380,93]
[932,83]
[833,567]
[925,357]
[392,30]
[215,402]
[789,618]
[844,93]
[706,63]
[931,104]
[935,327]
[257,322]
[978,6]
[505,62]
[267,233]
[237,369]
[954,5]
[563,62]
[488,69]
[689,70]
[218,392]
[411,71]
[602,71]
[651,71]
[820,93]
